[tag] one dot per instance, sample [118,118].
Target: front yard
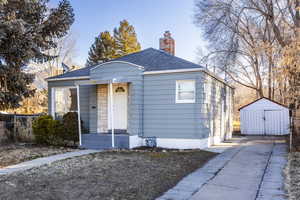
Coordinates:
[107,175]
[13,153]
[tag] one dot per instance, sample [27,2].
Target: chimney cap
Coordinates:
[167,34]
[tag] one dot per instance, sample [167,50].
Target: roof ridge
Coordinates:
[130,54]
[170,55]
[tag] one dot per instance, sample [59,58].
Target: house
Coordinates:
[264,117]
[148,97]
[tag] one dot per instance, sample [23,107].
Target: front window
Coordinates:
[65,100]
[185,91]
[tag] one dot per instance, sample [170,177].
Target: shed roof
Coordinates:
[244,106]
[151,59]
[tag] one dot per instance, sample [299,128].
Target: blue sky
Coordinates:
[149,17]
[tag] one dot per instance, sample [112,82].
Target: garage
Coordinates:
[264,117]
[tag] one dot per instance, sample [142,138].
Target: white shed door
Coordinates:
[274,123]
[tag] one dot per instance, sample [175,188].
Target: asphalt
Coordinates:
[250,168]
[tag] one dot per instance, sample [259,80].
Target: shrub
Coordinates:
[70,126]
[48,131]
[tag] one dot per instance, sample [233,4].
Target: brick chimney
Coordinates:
[167,43]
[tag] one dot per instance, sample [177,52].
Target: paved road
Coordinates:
[249,171]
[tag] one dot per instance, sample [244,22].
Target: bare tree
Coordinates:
[247,37]
[64,52]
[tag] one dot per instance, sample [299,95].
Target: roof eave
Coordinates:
[244,106]
[189,70]
[68,78]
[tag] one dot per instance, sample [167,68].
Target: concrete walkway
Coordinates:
[251,170]
[42,161]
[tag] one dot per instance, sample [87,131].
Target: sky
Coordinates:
[150,18]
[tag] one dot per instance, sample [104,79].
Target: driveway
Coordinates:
[251,170]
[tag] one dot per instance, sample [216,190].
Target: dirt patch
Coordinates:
[293,176]
[121,175]
[16,153]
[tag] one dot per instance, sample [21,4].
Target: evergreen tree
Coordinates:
[106,47]
[27,30]
[126,39]
[102,50]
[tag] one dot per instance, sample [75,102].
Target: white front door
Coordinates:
[120,96]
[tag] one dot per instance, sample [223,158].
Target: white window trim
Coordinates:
[53,97]
[176,93]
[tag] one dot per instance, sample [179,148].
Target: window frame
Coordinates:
[53,106]
[185,100]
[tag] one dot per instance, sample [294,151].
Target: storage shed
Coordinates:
[264,117]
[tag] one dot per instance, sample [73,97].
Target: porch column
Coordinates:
[78,113]
[112,114]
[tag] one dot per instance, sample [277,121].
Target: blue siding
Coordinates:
[163,117]
[152,109]
[93,109]
[103,141]
[219,100]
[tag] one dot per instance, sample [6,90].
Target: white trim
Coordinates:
[124,62]
[182,143]
[173,71]
[112,115]
[214,140]
[78,114]
[186,100]
[68,78]
[171,143]
[53,102]
[135,141]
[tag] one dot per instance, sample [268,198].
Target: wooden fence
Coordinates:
[16,127]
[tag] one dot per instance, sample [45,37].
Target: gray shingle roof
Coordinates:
[151,59]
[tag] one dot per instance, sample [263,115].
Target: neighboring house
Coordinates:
[143,97]
[264,117]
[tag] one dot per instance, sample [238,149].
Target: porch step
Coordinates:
[103,141]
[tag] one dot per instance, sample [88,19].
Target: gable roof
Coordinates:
[151,59]
[261,99]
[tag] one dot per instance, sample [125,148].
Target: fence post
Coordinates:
[291,132]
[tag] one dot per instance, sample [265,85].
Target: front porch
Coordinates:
[110,106]
[111,116]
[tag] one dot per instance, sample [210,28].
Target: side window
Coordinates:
[185,91]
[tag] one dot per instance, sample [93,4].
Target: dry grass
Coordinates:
[120,175]
[13,153]
[293,176]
